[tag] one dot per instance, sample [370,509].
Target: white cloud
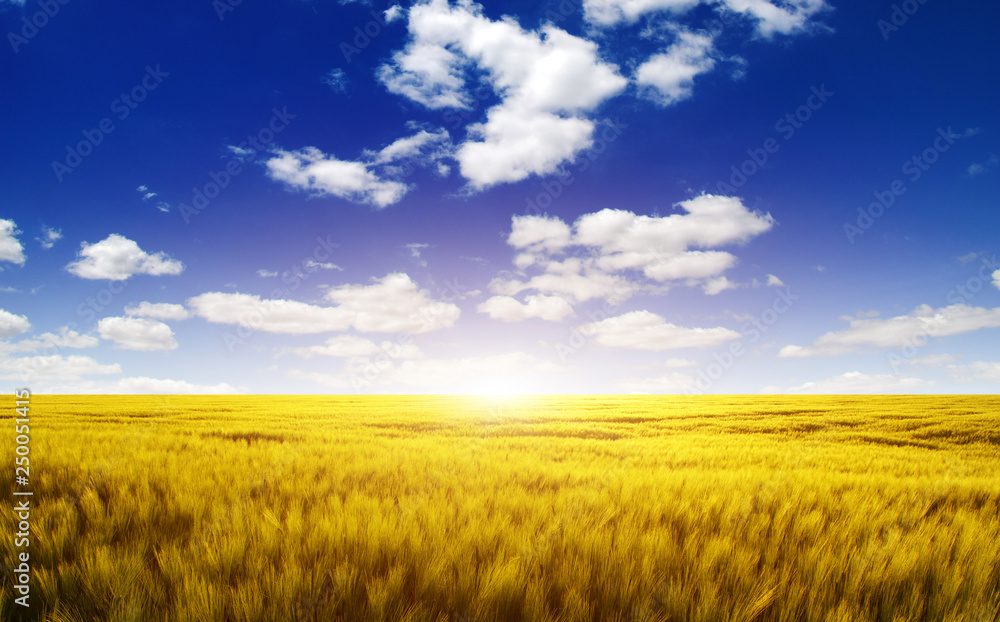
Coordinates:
[393,13]
[45,369]
[349,346]
[66,338]
[136,333]
[515,143]
[978,168]
[288,317]
[508,309]
[336,79]
[49,237]
[424,146]
[546,80]
[11,324]
[718,285]
[10,247]
[371,180]
[983,371]
[416,250]
[644,330]
[857,382]
[934,360]
[996,279]
[267,274]
[779,16]
[900,331]
[611,245]
[312,170]
[773,281]
[611,12]
[158,311]
[587,284]
[710,221]
[392,304]
[311,265]
[117,258]
[670,75]
[539,233]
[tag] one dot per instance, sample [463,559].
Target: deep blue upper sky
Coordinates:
[500,197]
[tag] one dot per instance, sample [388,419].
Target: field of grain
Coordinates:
[447,509]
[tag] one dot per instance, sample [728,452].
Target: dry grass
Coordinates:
[443,509]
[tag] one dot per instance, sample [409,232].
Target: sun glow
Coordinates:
[496,388]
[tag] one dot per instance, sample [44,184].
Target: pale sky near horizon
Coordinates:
[569,196]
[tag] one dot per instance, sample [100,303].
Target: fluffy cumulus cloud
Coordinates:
[393,303]
[547,81]
[539,233]
[137,333]
[644,330]
[996,279]
[117,258]
[770,17]
[372,180]
[158,311]
[602,253]
[12,324]
[857,382]
[509,309]
[10,247]
[867,333]
[351,346]
[312,170]
[669,76]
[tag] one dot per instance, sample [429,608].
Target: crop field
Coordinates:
[457,509]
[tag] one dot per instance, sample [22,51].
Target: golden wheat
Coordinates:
[565,509]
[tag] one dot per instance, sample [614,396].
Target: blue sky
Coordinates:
[585,196]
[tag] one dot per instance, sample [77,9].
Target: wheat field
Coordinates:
[448,509]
